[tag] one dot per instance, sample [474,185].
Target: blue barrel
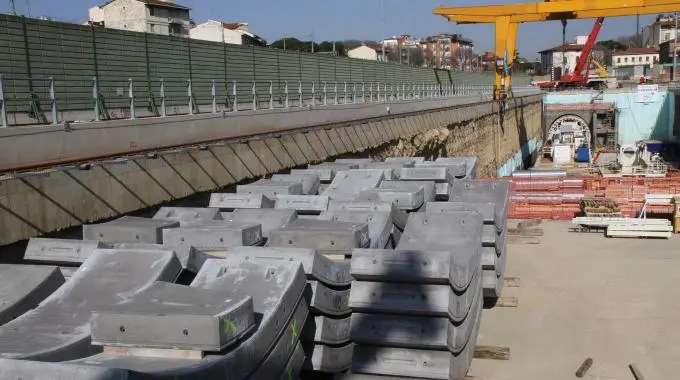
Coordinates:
[583,154]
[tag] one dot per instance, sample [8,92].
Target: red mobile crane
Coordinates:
[577,79]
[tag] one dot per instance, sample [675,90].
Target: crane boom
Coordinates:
[584,59]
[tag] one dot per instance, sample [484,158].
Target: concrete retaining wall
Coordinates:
[54,200]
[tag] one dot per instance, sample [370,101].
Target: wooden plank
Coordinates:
[636,372]
[492,352]
[507,302]
[529,232]
[512,282]
[585,366]
[153,352]
[523,240]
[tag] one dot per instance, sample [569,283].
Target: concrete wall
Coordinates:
[363,52]
[635,121]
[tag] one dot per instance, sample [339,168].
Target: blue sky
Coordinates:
[350,19]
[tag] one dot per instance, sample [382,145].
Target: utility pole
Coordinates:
[14,8]
[382,27]
[675,47]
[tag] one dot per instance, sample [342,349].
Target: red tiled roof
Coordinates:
[232,25]
[636,51]
[161,3]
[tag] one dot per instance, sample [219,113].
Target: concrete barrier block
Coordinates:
[230,201]
[325,300]
[315,265]
[23,287]
[173,316]
[310,182]
[404,199]
[59,251]
[188,214]
[429,193]
[269,219]
[379,224]
[348,183]
[302,203]
[270,189]
[129,229]
[214,234]
[326,330]
[328,359]
[399,217]
[322,235]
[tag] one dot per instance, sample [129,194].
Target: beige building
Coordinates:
[230,33]
[152,16]
[363,52]
[635,57]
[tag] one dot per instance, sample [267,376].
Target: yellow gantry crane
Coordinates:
[507,17]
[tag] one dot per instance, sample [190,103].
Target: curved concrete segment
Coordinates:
[429,192]
[441,231]
[23,287]
[188,214]
[214,234]
[454,169]
[271,189]
[31,370]
[323,235]
[172,316]
[58,251]
[361,163]
[294,365]
[485,209]
[399,217]
[329,359]
[325,300]
[415,332]
[129,229]
[327,330]
[469,162]
[413,299]
[310,182]
[455,267]
[404,199]
[302,203]
[269,219]
[58,329]
[230,201]
[348,183]
[315,265]
[497,192]
[390,170]
[426,173]
[379,224]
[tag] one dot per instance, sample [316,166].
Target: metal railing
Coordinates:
[37,100]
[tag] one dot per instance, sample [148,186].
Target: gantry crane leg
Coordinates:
[506,37]
[511,47]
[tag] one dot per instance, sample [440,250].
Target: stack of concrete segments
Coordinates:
[469,162]
[429,188]
[271,188]
[230,201]
[361,163]
[417,309]
[129,229]
[480,196]
[398,218]
[303,204]
[188,215]
[23,287]
[325,336]
[269,219]
[213,234]
[348,184]
[333,238]
[310,182]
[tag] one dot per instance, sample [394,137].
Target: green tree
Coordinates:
[613,45]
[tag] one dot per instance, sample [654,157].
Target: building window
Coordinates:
[625,60]
[639,59]
[152,11]
[666,36]
[618,60]
[175,29]
[152,28]
[647,59]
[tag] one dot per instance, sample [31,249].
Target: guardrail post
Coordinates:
[234,95]
[403,91]
[190,93]
[363,92]
[271,95]
[354,93]
[3,106]
[325,95]
[213,92]
[301,101]
[53,100]
[313,94]
[285,90]
[371,93]
[95,96]
[131,95]
[163,111]
[335,89]
[254,93]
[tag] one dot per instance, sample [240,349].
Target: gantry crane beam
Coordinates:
[507,17]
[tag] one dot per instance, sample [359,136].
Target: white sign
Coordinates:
[646,93]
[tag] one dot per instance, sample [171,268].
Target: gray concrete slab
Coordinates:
[485,209]
[470,164]
[489,236]
[428,187]
[348,183]
[129,229]
[270,189]
[188,214]
[310,182]
[413,299]
[269,219]
[58,251]
[329,359]
[23,287]
[455,169]
[58,329]
[294,365]
[274,365]
[325,174]
[326,330]
[173,316]
[379,224]
[440,231]
[391,170]
[436,174]
[399,217]
[302,203]
[493,279]
[404,199]
[315,265]
[483,191]
[360,162]
[404,159]
[489,257]
[230,201]
[415,332]
[34,370]
[327,301]
[222,233]
[395,237]
[327,170]
[455,267]
[323,235]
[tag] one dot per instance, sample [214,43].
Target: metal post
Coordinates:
[371,93]
[335,90]
[191,97]
[95,96]
[675,48]
[302,102]
[234,94]
[325,95]
[3,106]
[354,92]
[213,92]
[363,92]
[403,91]
[344,94]
[254,93]
[131,95]
[285,89]
[53,100]
[271,95]
[313,94]
[163,111]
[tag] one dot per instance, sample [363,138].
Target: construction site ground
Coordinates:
[583,295]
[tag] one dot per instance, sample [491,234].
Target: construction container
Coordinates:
[563,154]
[583,154]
